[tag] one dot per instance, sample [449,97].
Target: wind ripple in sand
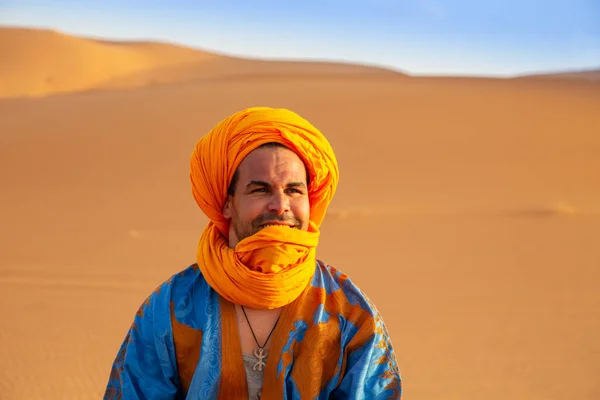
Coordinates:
[59,284]
[556,210]
[58,280]
[535,211]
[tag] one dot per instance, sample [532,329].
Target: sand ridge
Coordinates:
[45,62]
[468,210]
[41,62]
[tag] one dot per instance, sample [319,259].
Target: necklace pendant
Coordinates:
[261,354]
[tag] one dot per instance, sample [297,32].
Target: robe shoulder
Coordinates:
[371,368]
[339,284]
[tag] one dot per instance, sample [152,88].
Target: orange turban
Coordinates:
[272,267]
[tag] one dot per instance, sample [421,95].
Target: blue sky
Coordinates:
[423,37]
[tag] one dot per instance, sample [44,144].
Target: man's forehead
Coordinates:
[272,159]
[265,173]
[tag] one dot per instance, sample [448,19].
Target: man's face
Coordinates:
[271,189]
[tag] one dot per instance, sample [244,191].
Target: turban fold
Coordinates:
[272,267]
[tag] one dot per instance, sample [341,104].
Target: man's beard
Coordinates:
[244,229]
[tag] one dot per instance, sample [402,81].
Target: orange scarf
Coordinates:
[271,268]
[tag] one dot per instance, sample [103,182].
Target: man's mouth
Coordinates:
[277,224]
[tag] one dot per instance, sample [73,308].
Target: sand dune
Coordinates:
[41,62]
[585,75]
[45,62]
[468,210]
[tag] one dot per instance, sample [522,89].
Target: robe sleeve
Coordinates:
[144,367]
[371,368]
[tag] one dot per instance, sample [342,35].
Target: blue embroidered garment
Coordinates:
[330,343]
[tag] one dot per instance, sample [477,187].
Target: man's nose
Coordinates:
[279,202]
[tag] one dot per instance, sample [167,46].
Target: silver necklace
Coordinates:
[259,352]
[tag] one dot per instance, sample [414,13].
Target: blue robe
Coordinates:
[330,343]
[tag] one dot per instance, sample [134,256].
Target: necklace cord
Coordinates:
[252,330]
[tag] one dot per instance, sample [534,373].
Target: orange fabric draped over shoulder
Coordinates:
[272,267]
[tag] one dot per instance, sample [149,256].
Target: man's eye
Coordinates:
[258,190]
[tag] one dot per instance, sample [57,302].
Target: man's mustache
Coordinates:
[291,220]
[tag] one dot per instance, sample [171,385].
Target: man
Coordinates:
[257,315]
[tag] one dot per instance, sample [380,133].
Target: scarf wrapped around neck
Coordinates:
[271,268]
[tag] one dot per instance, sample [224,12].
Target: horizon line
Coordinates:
[300,59]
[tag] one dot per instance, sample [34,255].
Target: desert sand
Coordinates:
[468,209]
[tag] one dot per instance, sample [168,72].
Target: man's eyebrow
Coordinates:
[257,183]
[296,184]
[267,184]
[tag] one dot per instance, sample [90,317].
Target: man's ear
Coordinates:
[227,207]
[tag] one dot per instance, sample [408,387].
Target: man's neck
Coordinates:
[261,322]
